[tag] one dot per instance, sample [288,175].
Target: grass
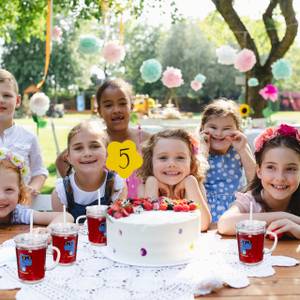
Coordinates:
[64,124]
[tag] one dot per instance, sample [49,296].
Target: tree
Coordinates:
[279,46]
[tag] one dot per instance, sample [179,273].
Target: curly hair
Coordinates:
[221,108]
[255,186]
[23,195]
[197,169]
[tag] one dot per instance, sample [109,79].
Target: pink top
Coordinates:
[243,203]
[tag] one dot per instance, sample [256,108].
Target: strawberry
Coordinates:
[163,206]
[147,205]
[117,215]
[177,207]
[129,209]
[192,206]
[185,207]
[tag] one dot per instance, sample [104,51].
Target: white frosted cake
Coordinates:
[153,238]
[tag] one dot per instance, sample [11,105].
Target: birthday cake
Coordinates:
[152,234]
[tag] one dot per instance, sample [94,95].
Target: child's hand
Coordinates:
[285,225]
[181,187]
[32,191]
[164,189]
[238,140]
[204,139]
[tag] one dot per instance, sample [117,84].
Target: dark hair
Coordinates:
[117,83]
[255,185]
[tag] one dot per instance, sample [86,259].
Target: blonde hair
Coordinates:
[221,108]
[23,195]
[7,76]
[197,169]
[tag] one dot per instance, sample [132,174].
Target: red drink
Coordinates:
[67,246]
[251,247]
[97,230]
[31,264]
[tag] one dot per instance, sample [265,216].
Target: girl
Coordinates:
[114,99]
[90,180]
[275,190]
[172,169]
[13,194]
[228,154]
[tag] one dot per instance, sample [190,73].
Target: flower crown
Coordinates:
[15,159]
[270,133]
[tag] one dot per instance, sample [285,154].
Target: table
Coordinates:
[284,284]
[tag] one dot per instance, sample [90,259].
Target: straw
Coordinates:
[31,222]
[251,211]
[99,198]
[64,214]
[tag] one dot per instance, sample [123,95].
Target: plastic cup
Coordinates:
[31,250]
[65,238]
[250,237]
[96,221]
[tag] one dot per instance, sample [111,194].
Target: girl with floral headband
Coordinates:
[229,155]
[171,168]
[13,194]
[275,189]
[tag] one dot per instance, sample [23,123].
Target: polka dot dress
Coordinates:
[223,179]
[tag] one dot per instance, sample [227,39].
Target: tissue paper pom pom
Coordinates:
[226,55]
[172,77]
[253,81]
[113,52]
[39,103]
[269,92]
[281,69]
[56,33]
[89,44]
[151,70]
[200,77]
[245,60]
[196,85]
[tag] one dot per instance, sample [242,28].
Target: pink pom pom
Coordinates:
[269,92]
[196,85]
[56,33]
[172,77]
[245,60]
[113,52]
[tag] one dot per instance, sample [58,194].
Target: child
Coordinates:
[13,194]
[274,190]
[114,98]
[15,137]
[228,154]
[90,180]
[172,169]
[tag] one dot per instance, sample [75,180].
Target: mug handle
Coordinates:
[57,258]
[79,218]
[267,250]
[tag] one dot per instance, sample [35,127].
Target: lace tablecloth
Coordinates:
[94,276]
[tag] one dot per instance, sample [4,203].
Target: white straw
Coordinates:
[31,222]
[251,211]
[64,214]
[99,198]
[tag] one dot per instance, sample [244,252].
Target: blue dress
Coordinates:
[223,179]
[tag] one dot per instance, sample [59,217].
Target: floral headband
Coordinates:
[270,133]
[15,159]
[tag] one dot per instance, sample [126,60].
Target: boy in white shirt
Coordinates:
[16,138]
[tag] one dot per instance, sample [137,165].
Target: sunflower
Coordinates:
[245,110]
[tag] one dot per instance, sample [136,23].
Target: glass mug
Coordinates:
[250,238]
[65,238]
[31,252]
[96,221]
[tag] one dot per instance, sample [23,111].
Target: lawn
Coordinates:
[64,124]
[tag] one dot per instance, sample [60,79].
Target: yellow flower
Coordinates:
[245,110]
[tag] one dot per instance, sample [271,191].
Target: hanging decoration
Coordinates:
[57,34]
[253,81]
[226,55]
[269,92]
[113,52]
[200,77]
[245,60]
[281,69]
[196,85]
[89,44]
[151,70]
[172,77]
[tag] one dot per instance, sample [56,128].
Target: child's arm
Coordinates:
[228,221]
[285,225]
[240,144]
[193,192]
[56,203]
[153,188]
[47,218]
[35,184]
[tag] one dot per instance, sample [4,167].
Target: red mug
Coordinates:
[96,221]
[31,250]
[250,237]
